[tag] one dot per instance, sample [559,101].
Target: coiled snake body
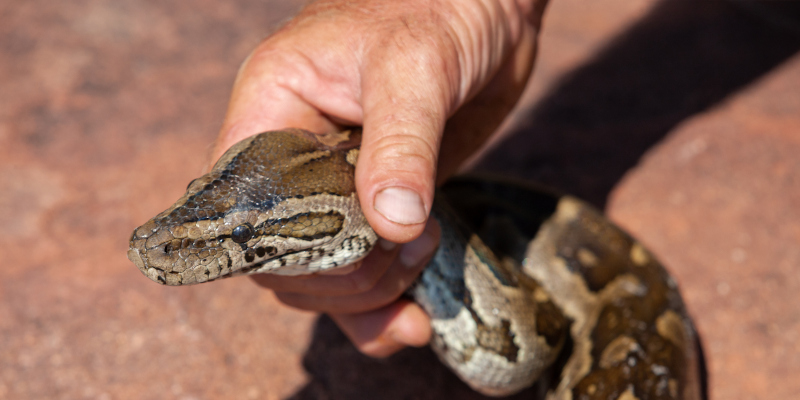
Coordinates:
[524,285]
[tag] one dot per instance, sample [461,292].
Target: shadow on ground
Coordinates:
[679,60]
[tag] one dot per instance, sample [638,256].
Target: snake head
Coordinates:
[281,202]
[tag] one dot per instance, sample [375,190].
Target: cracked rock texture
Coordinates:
[681,119]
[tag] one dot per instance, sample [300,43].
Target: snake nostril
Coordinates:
[167,248]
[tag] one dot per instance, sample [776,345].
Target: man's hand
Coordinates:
[400,69]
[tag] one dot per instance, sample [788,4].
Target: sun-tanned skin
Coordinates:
[400,70]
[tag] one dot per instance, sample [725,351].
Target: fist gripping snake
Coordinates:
[525,284]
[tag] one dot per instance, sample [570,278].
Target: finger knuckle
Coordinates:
[405,151]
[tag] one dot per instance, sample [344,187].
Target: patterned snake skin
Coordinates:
[525,285]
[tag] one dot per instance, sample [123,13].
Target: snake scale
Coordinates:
[525,285]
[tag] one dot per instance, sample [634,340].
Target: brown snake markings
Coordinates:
[524,284]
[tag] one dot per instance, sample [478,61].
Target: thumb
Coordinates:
[404,116]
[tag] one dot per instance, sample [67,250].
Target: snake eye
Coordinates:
[242,233]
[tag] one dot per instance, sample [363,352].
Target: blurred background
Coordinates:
[680,119]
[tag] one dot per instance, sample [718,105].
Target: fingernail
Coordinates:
[383,346]
[396,337]
[386,245]
[412,253]
[411,327]
[401,205]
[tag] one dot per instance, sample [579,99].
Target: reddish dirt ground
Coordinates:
[681,119]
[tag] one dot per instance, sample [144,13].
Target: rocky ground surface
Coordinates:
[681,119]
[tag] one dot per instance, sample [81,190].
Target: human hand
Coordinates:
[400,70]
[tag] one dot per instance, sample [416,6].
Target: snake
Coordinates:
[526,285]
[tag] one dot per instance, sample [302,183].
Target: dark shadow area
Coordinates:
[679,60]
[339,371]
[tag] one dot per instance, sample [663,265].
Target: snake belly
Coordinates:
[526,286]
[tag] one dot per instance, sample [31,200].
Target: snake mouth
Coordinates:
[137,260]
[168,260]
[167,269]
[141,257]
[154,274]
